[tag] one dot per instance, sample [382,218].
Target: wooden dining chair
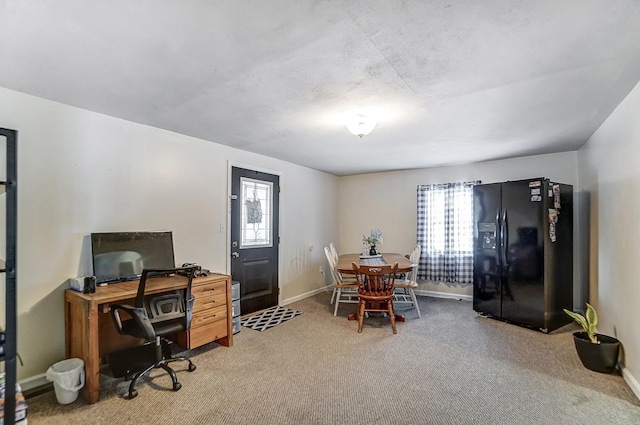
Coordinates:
[375,291]
[334,255]
[405,288]
[344,290]
[334,251]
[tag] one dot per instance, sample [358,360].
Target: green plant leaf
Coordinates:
[578,318]
[592,319]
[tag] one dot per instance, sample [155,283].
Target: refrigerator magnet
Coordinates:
[553,219]
[534,184]
[536,198]
[556,196]
[535,191]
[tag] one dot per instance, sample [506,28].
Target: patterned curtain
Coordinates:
[445,232]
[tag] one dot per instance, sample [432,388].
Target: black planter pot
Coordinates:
[601,357]
[373,250]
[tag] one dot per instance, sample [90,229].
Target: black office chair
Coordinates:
[155,315]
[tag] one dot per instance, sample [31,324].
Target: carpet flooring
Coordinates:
[448,367]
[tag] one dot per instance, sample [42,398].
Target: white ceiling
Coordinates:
[451,82]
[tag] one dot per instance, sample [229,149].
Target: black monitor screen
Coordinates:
[121,256]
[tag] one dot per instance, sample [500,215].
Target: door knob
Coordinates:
[235,254]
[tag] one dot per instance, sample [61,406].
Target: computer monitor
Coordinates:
[121,256]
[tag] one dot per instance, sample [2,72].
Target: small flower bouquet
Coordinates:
[374,239]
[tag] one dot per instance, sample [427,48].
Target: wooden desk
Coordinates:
[345,262]
[91,335]
[345,265]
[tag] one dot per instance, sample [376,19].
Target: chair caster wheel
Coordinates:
[192,367]
[133,394]
[177,386]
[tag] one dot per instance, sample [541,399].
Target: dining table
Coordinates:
[345,261]
[345,266]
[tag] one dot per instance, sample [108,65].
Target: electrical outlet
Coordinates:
[321,270]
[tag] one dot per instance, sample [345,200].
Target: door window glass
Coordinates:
[256,213]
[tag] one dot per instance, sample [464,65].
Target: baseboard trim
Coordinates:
[35,385]
[448,295]
[434,294]
[306,295]
[631,381]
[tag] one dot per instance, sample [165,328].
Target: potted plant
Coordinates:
[597,352]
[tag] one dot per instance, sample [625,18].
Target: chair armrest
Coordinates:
[189,310]
[137,314]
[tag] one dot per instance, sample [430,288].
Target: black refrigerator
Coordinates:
[523,252]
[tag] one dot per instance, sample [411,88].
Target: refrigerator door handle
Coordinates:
[498,238]
[504,238]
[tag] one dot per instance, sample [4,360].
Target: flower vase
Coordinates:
[373,250]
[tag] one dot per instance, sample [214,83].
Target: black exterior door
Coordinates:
[255,237]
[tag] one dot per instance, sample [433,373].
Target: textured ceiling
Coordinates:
[451,82]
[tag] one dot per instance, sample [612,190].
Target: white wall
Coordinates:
[388,201]
[609,169]
[81,172]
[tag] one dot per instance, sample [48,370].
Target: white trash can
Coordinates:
[68,379]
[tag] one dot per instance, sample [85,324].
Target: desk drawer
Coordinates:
[203,303]
[208,289]
[209,316]
[201,335]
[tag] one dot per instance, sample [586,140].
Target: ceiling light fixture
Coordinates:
[361,125]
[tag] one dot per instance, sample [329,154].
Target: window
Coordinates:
[445,232]
[256,213]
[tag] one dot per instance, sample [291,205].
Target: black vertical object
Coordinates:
[256,268]
[487,287]
[523,264]
[10,272]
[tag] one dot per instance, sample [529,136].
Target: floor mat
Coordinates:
[269,318]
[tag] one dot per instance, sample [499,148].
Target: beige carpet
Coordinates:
[449,367]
